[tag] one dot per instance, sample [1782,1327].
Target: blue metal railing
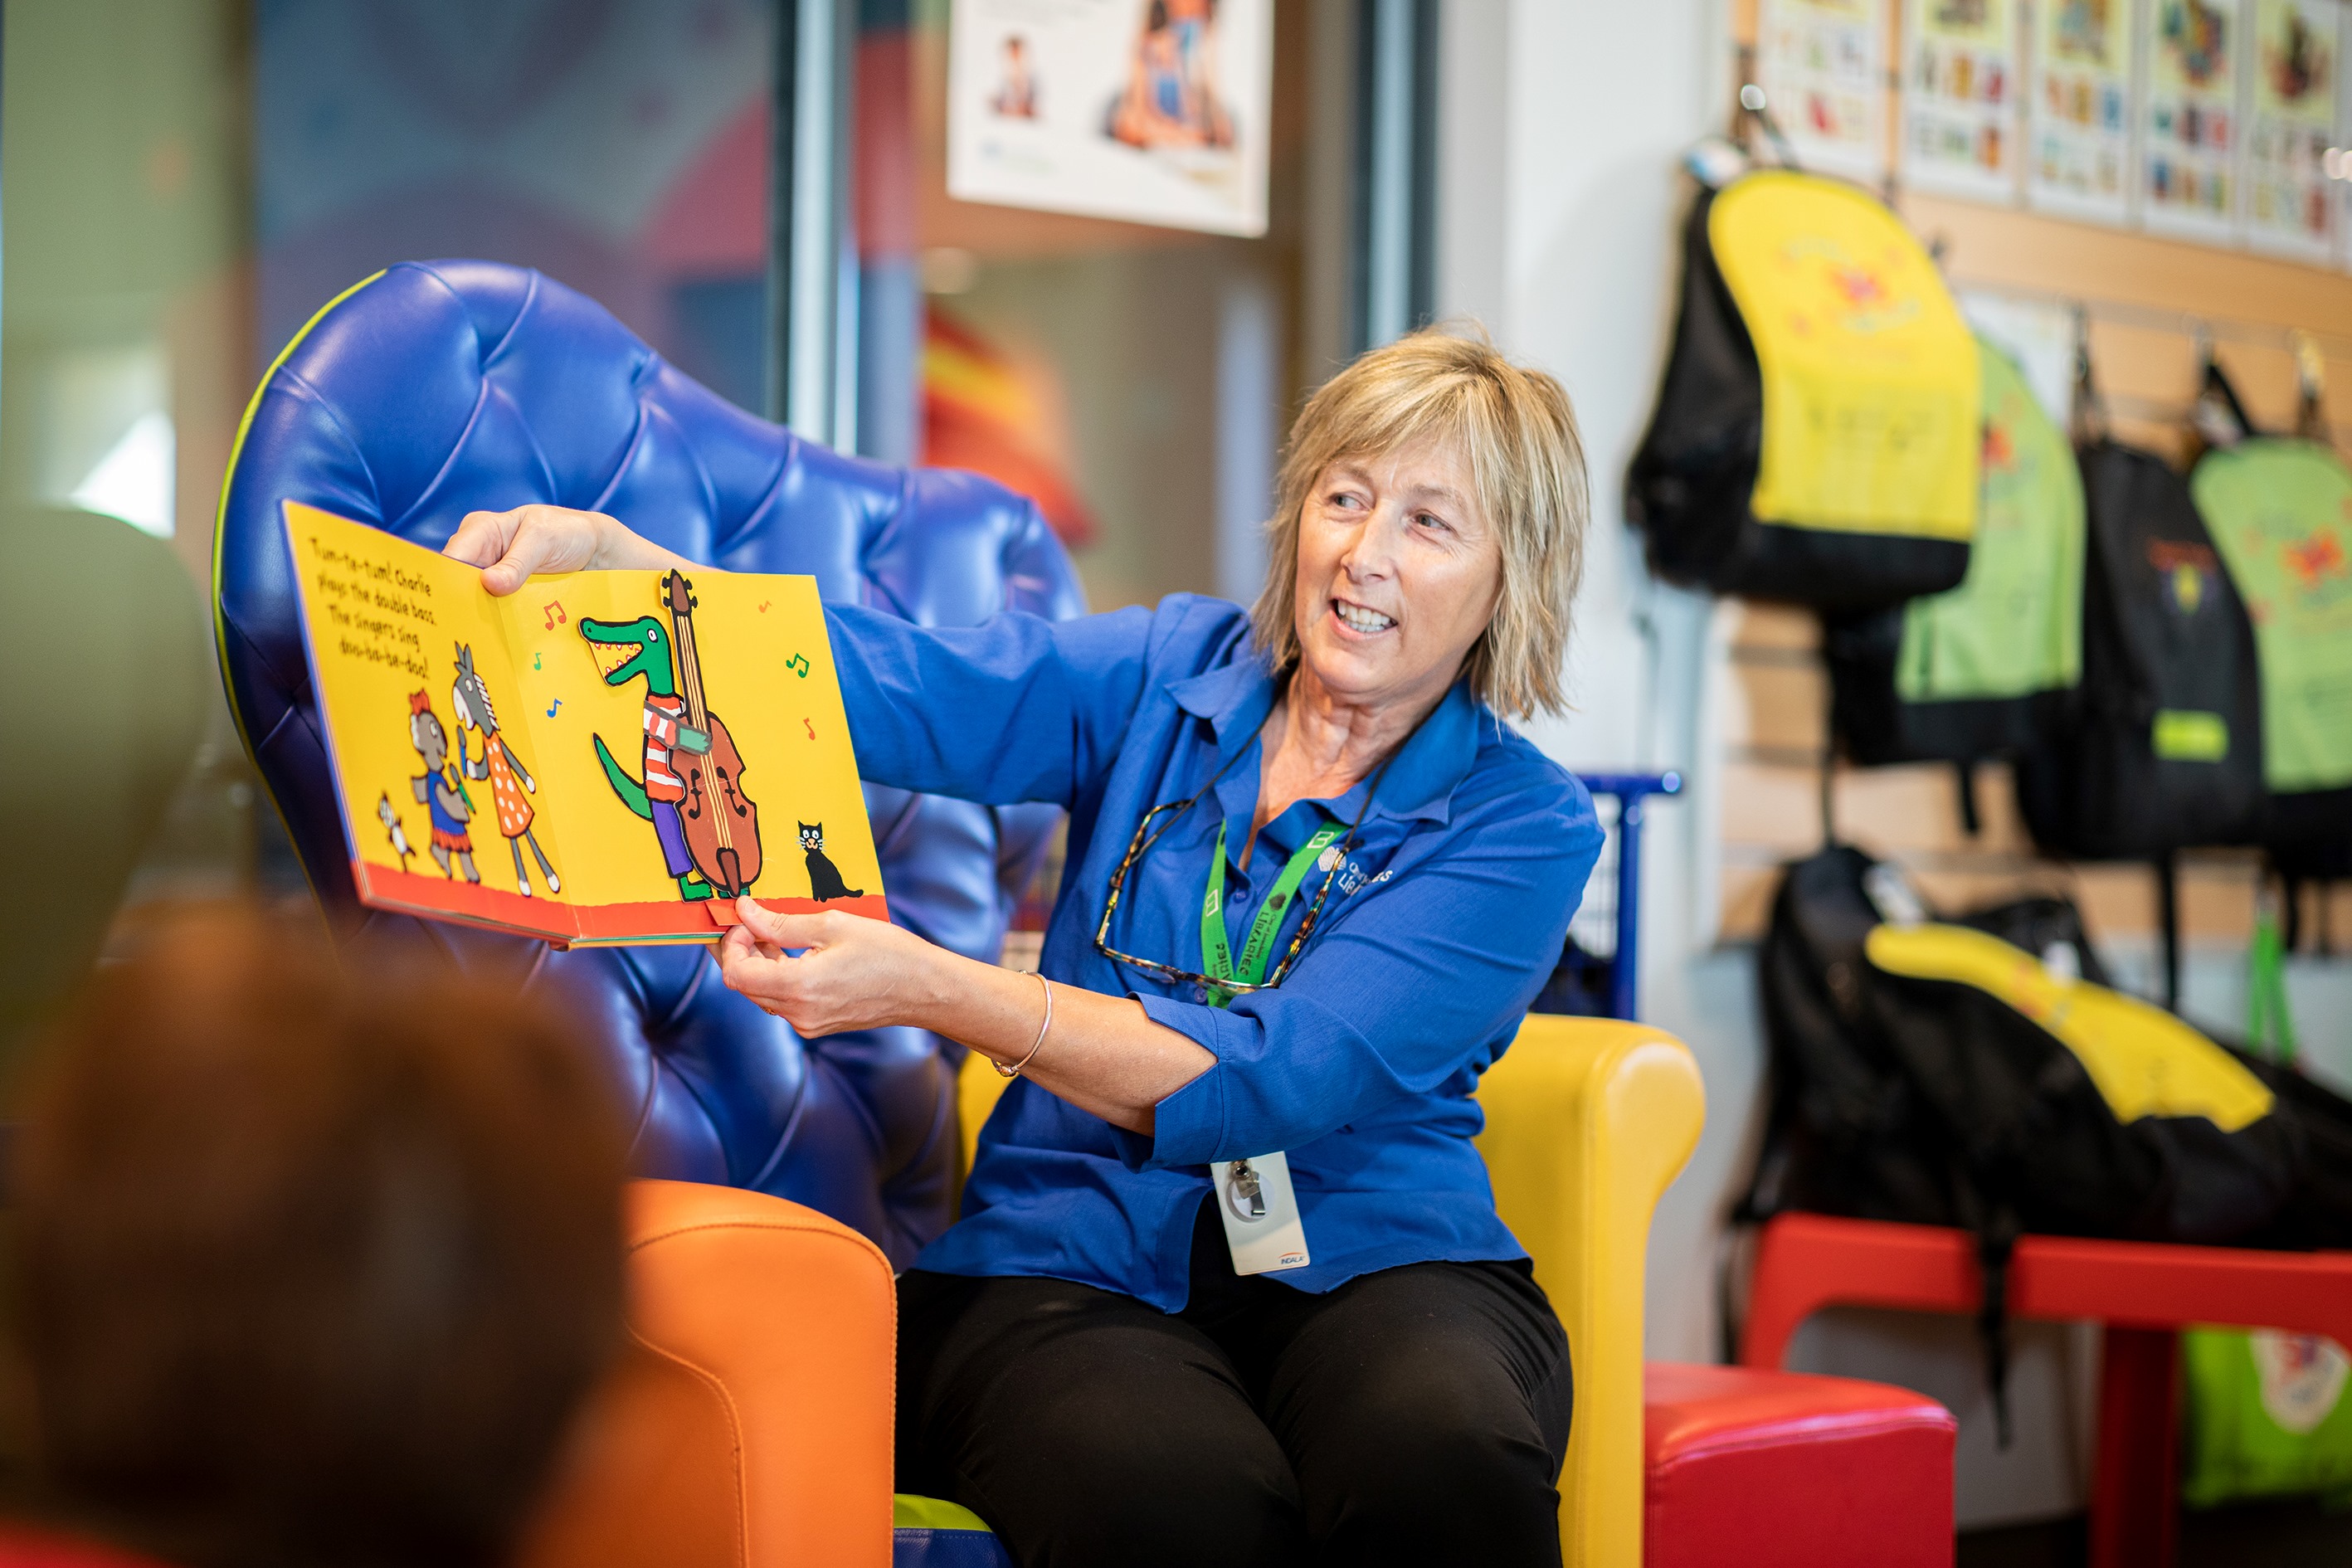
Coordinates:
[1588,979]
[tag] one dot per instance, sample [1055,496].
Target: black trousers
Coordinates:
[1416,1415]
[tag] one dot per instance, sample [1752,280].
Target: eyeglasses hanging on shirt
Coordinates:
[1226,979]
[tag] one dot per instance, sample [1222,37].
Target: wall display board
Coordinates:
[1959,97]
[1153,110]
[2294,61]
[1822,65]
[2340,187]
[2078,109]
[2189,118]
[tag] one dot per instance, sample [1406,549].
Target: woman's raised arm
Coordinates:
[1016,708]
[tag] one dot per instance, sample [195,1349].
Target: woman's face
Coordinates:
[1398,572]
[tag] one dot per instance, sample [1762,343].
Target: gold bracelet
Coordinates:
[1039,1044]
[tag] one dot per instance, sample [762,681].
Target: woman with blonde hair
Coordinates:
[1229,1287]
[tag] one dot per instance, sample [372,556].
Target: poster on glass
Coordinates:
[2190,119]
[2078,109]
[1151,111]
[2295,66]
[1822,66]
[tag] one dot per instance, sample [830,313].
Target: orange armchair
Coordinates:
[749,1420]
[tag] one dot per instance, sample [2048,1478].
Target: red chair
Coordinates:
[2143,1293]
[1778,1470]
[26,1546]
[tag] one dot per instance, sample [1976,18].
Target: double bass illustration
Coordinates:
[721,823]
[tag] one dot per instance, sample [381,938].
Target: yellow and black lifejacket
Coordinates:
[1990,1051]
[1816,434]
[1980,1073]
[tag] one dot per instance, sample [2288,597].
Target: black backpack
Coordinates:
[1901,1091]
[1693,484]
[2163,749]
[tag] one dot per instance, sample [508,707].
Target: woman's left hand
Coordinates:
[852,973]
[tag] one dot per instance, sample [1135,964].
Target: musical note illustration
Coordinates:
[764,604]
[534,660]
[553,706]
[811,729]
[554,608]
[798,666]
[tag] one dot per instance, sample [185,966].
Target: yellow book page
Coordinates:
[465,733]
[385,620]
[598,653]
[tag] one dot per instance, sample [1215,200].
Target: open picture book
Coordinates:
[601,757]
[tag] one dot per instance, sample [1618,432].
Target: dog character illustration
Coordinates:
[825,877]
[639,650]
[391,827]
[441,790]
[510,782]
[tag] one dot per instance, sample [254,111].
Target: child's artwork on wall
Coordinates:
[1823,67]
[1959,97]
[2296,52]
[2078,109]
[1151,111]
[2191,119]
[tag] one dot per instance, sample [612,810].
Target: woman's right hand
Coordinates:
[511,546]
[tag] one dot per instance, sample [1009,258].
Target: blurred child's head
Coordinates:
[316,1262]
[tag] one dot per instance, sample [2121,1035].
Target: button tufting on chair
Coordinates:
[438,388]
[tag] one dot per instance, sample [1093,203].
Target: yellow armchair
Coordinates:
[1588,1119]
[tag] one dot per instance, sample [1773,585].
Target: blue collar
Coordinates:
[1235,698]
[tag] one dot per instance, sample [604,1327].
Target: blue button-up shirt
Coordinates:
[1442,922]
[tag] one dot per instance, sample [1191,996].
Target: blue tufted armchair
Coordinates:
[438,388]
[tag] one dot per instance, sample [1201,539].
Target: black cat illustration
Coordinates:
[824,878]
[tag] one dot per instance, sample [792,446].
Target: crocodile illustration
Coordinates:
[640,650]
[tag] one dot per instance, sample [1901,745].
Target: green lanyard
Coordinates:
[1216,952]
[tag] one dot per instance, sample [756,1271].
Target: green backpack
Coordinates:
[2267,1416]
[2279,511]
[1977,671]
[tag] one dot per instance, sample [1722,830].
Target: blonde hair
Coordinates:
[1527,468]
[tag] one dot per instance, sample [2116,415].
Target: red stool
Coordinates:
[1781,1469]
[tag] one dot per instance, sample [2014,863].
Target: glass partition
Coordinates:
[1135,380]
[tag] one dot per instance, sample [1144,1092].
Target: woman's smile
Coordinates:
[1361,620]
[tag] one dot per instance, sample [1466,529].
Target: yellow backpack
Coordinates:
[1816,437]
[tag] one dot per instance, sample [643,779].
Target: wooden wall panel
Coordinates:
[2147,299]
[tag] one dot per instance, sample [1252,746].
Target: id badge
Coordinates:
[1263,1229]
